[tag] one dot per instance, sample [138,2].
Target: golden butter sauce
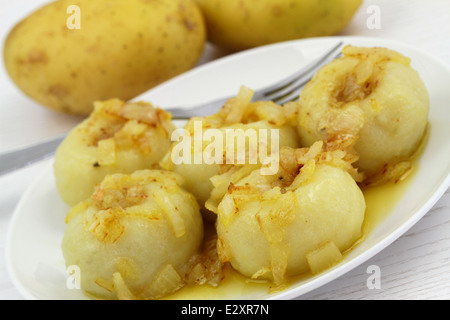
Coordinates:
[380,201]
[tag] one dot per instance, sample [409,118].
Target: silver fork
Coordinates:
[281,92]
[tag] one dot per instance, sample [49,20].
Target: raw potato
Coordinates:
[370,100]
[244,24]
[133,236]
[123,48]
[117,137]
[268,226]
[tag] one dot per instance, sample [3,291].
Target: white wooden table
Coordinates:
[416,266]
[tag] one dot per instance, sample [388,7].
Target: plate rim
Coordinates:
[13,223]
[239,55]
[316,281]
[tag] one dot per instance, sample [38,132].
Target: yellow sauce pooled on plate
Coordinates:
[380,201]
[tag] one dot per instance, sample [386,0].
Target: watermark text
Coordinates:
[229,146]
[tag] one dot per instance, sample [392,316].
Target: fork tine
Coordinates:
[300,78]
[294,95]
[289,92]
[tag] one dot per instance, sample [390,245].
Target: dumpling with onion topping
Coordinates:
[372,100]
[239,116]
[117,137]
[301,219]
[133,238]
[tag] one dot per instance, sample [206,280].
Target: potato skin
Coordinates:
[242,24]
[123,48]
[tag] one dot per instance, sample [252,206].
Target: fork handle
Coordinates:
[17,159]
[21,158]
[201,110]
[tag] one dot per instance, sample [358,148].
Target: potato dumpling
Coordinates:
[133,236]
[237,115]
[68,54]
[370,99]
[117,137]
[275,226]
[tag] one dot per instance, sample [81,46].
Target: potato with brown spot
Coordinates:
[114,54]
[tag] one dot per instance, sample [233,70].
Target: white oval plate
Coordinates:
[34,257]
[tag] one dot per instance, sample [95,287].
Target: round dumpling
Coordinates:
[301,219]
[372,100]
[117,137]
[237,115]
[133,237]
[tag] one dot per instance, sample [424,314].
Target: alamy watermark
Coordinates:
[227,146]
[73,281]
[74,20]
[374,20]
[374,280]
